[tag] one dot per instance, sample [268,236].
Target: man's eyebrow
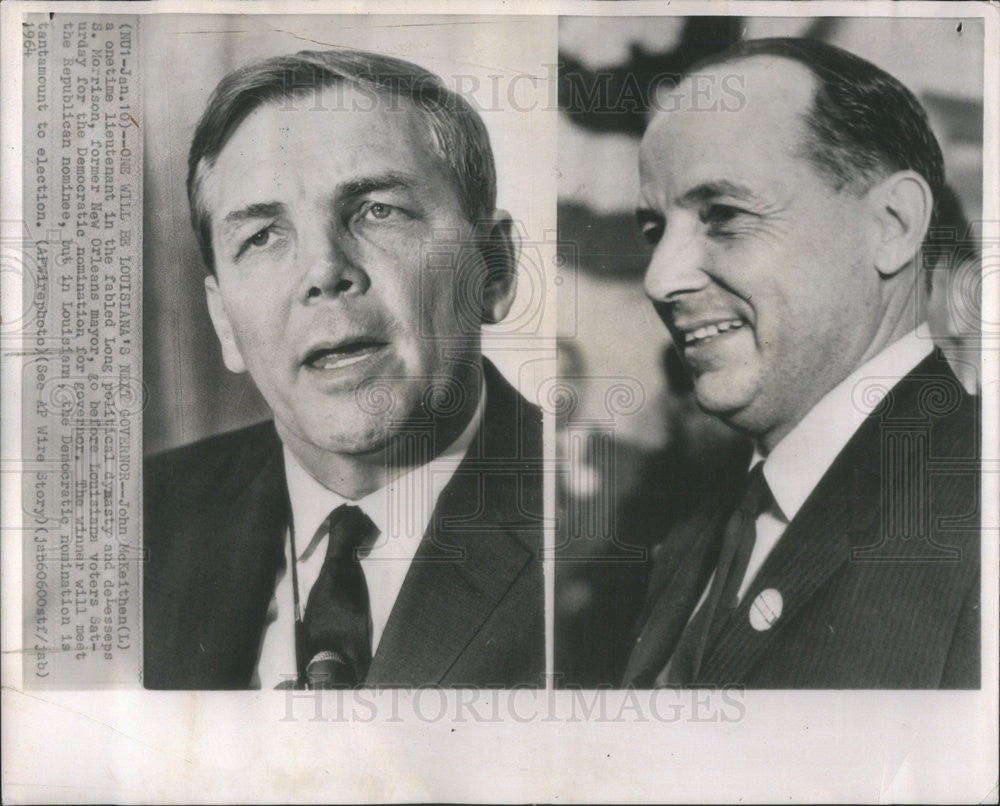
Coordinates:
[352,188]
[716,188]
[391,180]
[705,191]
[268,209]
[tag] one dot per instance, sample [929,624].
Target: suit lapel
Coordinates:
[840,516]
[679,579]
[458,577]
[248,536]
[478,542]
[813,547]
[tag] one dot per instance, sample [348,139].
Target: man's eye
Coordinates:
[260,238]
[651,226]
[652,233]
[719,214]
[380,211]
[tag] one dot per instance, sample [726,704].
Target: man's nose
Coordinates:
[677,266]
[331,269]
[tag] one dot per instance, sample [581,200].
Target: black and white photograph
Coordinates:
[789,207]
[522,401]
[348,250]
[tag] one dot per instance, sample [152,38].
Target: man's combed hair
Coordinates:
[455,131]
[864,124]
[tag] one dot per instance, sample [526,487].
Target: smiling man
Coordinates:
[786,264]
[383,529]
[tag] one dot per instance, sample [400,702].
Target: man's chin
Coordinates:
[722,398]
[347,437]
[365,440]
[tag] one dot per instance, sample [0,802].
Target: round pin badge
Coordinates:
[766,609]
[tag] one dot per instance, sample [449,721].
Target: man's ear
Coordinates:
[499,250]
[901,206]
[223,328]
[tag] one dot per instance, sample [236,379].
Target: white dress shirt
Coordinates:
[401,511]
[800,460]
[796,464]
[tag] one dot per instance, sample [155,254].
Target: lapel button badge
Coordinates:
[766,609]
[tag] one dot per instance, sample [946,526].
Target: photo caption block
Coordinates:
[82,392]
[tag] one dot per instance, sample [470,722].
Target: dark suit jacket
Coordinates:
[879,571]
[470,612]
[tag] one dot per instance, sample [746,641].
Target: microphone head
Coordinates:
[329,669]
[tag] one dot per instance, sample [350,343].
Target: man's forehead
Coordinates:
[755,105]
[764,83]
[338,129]
[751,91]
[327,111]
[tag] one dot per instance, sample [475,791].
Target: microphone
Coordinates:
[329,669]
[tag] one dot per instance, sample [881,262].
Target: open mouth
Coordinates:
[342,355]
[704,333]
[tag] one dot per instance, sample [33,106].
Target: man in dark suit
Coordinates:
[787,235]
[384,528]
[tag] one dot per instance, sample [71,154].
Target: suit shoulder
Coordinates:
[931,397]
[211,466]
[243,444]
[504,394]
[511,420]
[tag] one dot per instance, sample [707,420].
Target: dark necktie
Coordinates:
[734,557]
[334,639]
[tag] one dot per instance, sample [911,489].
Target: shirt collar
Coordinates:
[400,510]
[797,463]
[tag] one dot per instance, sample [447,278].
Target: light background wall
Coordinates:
[504,66]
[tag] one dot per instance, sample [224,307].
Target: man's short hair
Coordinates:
[863,125]
[455,131]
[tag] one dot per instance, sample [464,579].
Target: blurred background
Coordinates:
[503,66]
[636,454]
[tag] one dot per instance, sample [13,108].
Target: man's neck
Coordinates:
[354,476]
[797,463]
[902,313]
